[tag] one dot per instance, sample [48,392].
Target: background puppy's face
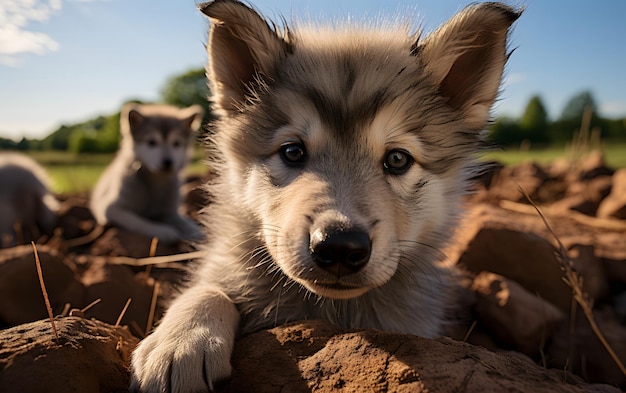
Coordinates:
[161,136]
[161,152]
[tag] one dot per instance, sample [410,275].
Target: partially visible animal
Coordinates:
[27,207]
[342,153]
[140,190]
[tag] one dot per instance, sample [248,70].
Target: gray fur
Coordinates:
[26,203]
[349,96]
[140,189]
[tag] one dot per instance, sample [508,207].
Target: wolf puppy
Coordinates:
[140,190]
[27,207]
[342,155]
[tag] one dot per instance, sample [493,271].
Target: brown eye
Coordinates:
[397,162]
[152,142]
[293,154]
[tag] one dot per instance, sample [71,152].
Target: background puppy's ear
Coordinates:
[130,118]
[243,50]
[192,117]
[466,58]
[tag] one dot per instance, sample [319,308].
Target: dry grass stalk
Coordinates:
[165,259]
[119,319]
[91,305]
[153,247]
[88,238]
[612,224]
[470,330]
[574,281]
[43,290]
[155,296]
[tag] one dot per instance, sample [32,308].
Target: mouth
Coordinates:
[337,290]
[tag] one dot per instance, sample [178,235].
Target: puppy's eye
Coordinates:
[293,154]
[397,162]
[152,142]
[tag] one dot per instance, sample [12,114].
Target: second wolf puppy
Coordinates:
[140,190]
[342,154]
[25,199]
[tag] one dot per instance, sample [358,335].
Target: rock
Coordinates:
[514,315]
[527,258]
[530,176]
[593,166]
[590,267]
[119,242]
[75,220]
[314,356]
[585,196]
[21,299]
[520,247]
[583,353]
[90,356]
[115,284]
[614,205]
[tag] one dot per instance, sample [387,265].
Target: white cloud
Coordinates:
[15,36]
[613,109]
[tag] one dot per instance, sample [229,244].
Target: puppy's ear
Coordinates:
[466,57]
[192,117]
[243,51]
[130,119]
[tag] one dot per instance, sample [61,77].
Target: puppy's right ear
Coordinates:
[243,51]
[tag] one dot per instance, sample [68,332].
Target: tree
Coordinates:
[506,132]
[189,88]
[534,121]
[576,105]
[570,122]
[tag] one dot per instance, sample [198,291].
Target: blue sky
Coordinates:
[64,61]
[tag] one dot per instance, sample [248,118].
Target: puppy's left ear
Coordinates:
[192,117]
[243,51]
[465,57]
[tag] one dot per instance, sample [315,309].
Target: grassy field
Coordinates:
[614,154]
[73,173]
[79,173]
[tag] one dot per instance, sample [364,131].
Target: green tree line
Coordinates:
[535,127]
[102,134]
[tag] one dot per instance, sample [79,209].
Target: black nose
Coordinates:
[167,164]
[341,252]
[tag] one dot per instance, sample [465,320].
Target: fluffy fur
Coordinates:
[27,208]
[140,189]
[342,155]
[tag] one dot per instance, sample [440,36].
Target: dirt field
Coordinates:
[517,325]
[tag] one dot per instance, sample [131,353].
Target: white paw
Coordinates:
[186,361]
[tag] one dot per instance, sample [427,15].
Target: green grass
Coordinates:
[614,154]
[73,173]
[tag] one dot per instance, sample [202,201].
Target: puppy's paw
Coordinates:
[189,362]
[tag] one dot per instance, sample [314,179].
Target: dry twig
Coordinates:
[43,290]
[155,296]
[119,319]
